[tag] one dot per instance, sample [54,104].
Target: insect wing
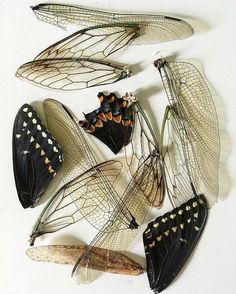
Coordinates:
[170,240]
[68,74]
[195,123]
[111,123]
[37,157]
[152,28]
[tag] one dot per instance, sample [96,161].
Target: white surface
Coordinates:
[213,266]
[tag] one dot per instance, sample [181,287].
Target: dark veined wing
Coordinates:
[143,155]
[89,190]
[68,74]
[96,42]
[37,157]
[153,28]
[195,122]
[111,122]
[170,239]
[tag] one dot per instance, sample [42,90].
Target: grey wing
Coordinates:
[197,124]
[153,28]
[68,74]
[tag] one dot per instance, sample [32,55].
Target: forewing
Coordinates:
[170,239]
[37,156]
[68,74]
[153,28]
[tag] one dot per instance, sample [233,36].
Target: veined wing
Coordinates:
[153,28]
[89,190]
[95,43]
[114,235]
[195,122]
[143,157]
[68,74]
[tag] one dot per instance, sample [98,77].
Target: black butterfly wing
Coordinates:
[170,240]
[111,122]
[36,156]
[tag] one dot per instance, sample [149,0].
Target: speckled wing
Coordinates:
[111,122]
[170,239]
[36,156]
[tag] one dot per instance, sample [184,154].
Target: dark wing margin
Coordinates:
[37,156]
[170,239]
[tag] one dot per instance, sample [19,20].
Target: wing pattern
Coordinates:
[37,157]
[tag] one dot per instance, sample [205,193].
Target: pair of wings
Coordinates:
[77,61]
[195,141]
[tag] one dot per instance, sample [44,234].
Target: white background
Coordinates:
[212,269]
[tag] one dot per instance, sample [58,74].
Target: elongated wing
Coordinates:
[94,43]
[143,158]
[114,235]
[86,196]
[68,74]
[195,122]
[153,28]
[37,156]
[170,239]
[111,122]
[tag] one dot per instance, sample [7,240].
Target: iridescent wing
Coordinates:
[76,62]
[37,156]
[111,122]
[194,121]
[170,239]
[152,28]
[89,190]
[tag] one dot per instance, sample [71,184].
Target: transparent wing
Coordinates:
[113,236]
[95,42]
[143,158]
[195,123]
[153,28]
[68,74]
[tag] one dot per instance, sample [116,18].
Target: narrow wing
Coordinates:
[68,74]
[95,43]
[195,123]
[153,28]
[170,239]
[37,156]
[111,122]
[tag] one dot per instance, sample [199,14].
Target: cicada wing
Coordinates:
[37,156]
[152,28]
[111,122]
[143,159]
[86,196]
[170,240]
[68,74]
[113,236]
[95,43]
[196,115]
